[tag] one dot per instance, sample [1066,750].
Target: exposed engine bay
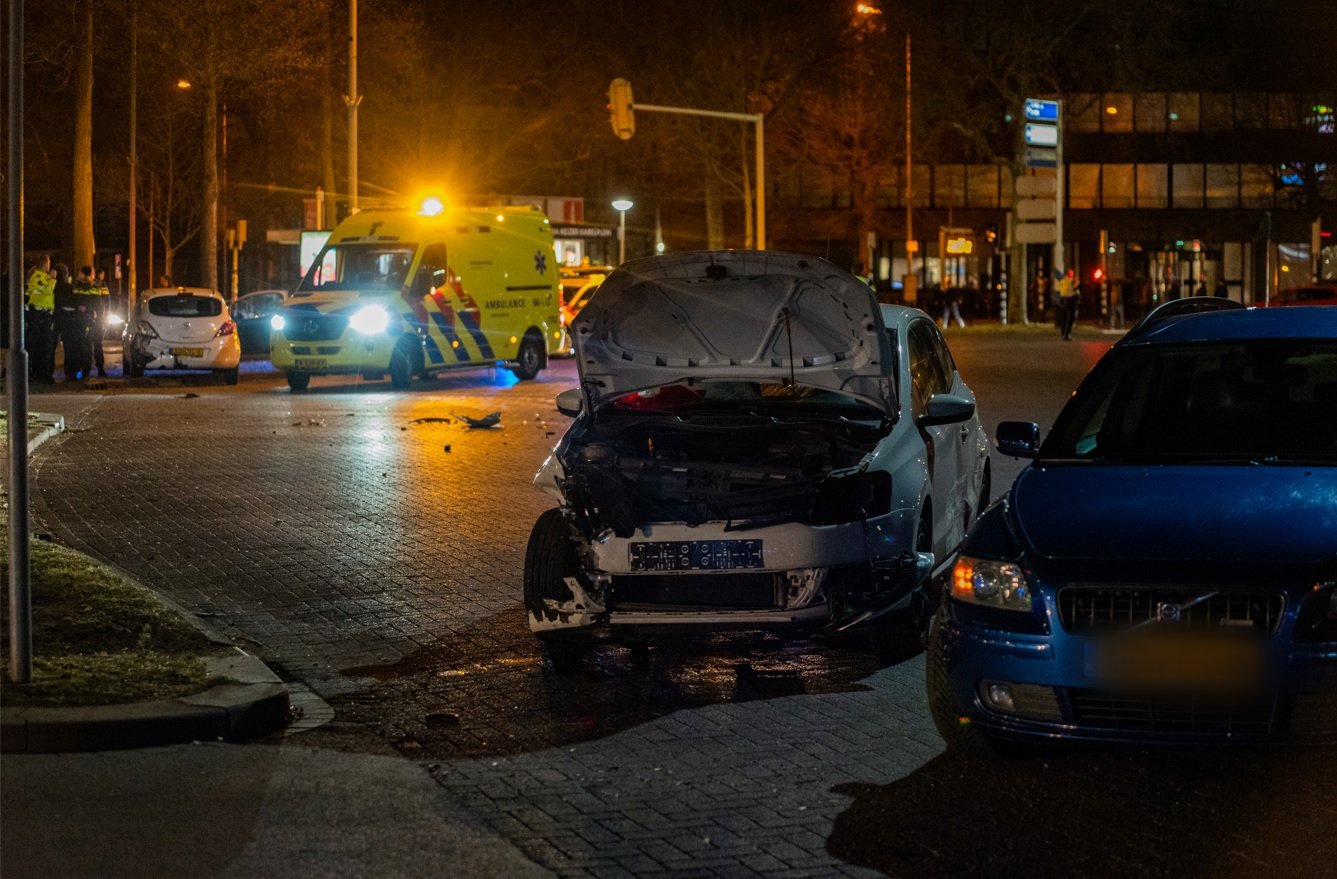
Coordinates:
[748,470]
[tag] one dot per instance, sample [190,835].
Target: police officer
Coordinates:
[86,316]
[102,307]
[69,324]
[40,306]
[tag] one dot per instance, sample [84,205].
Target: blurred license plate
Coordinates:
[1158,662]
[188,352]
[310,363]
[695,555]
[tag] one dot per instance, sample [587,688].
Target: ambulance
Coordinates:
[405,293]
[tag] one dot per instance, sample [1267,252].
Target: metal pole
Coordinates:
[761,183]
[621,237]
[1059,262]
[131,287]
[909,183]
[352,99]
[20,582]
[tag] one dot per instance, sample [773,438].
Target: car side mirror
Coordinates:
[947,409]
[570,402]
[1018,439]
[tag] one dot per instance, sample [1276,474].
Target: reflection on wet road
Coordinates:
[509,700]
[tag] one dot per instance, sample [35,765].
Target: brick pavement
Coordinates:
[346,546]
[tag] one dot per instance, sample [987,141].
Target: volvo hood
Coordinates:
[752,316]
[1267,514]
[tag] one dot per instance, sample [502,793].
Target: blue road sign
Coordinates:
[1041,111]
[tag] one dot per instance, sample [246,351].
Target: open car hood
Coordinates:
[746,315]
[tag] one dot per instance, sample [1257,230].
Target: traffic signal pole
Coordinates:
[621,107]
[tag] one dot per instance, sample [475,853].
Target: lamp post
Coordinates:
[622,205]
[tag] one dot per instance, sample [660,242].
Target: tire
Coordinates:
[403,365]
[959,734]
[903,634]
[299,381]
[133,369]
[529,359]
[550,557]
[230,376]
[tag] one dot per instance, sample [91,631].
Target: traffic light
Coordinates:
[1098,274]
[991,233]
[620,112]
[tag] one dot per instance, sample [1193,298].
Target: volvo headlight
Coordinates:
[990,583]
[276,323]
[370,321]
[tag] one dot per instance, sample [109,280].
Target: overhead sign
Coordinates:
[1039,134]
[1035,233]
[1045,111]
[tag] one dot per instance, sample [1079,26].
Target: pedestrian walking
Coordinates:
[1202,288]
[1222,290]
[1069,295]
[951,307]
[39,313]
[1117,292]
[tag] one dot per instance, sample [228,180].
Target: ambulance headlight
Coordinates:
[276,323]
[370,320]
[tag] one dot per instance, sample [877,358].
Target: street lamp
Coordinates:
[622,205]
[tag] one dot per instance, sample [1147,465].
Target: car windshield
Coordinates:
[770,399]
[364,267]
[185,305]
[1265,401]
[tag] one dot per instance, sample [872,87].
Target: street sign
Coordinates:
[1039,134]
[1034,186]
[1036,233]
[1040,157]
[1037,209]
[1044,111]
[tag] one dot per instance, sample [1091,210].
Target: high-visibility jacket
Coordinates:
[41,291]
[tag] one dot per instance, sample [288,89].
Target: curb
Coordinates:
[51,425]
[253,703]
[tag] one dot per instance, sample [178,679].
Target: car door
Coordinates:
[941,441]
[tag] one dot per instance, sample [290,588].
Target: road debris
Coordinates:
[484,423]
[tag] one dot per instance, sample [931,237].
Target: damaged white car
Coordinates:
[757,444]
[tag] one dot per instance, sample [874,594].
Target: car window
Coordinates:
[1255,400]
[927,373]
[185,306]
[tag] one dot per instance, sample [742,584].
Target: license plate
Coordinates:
[695,555]
[310,362]
[1168,662]
[188,352]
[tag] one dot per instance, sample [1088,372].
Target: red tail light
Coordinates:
[226,329]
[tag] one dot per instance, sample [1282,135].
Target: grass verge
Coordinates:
[99,639]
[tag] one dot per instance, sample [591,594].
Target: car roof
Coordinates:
[178,291]
[1319,321]
[263,293]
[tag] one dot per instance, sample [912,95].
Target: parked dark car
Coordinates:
[1322,294]
[253,314]
[1166,568]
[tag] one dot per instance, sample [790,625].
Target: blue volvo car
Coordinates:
[1165,570]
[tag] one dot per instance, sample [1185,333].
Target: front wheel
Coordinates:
[529,359]
[956,729]
[550,557]
[230,376]
[403,364]
[133,368]
[299,381]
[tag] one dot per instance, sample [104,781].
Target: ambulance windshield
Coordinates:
[364,267]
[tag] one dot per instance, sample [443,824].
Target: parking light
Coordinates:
[370,321]
[990,584]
